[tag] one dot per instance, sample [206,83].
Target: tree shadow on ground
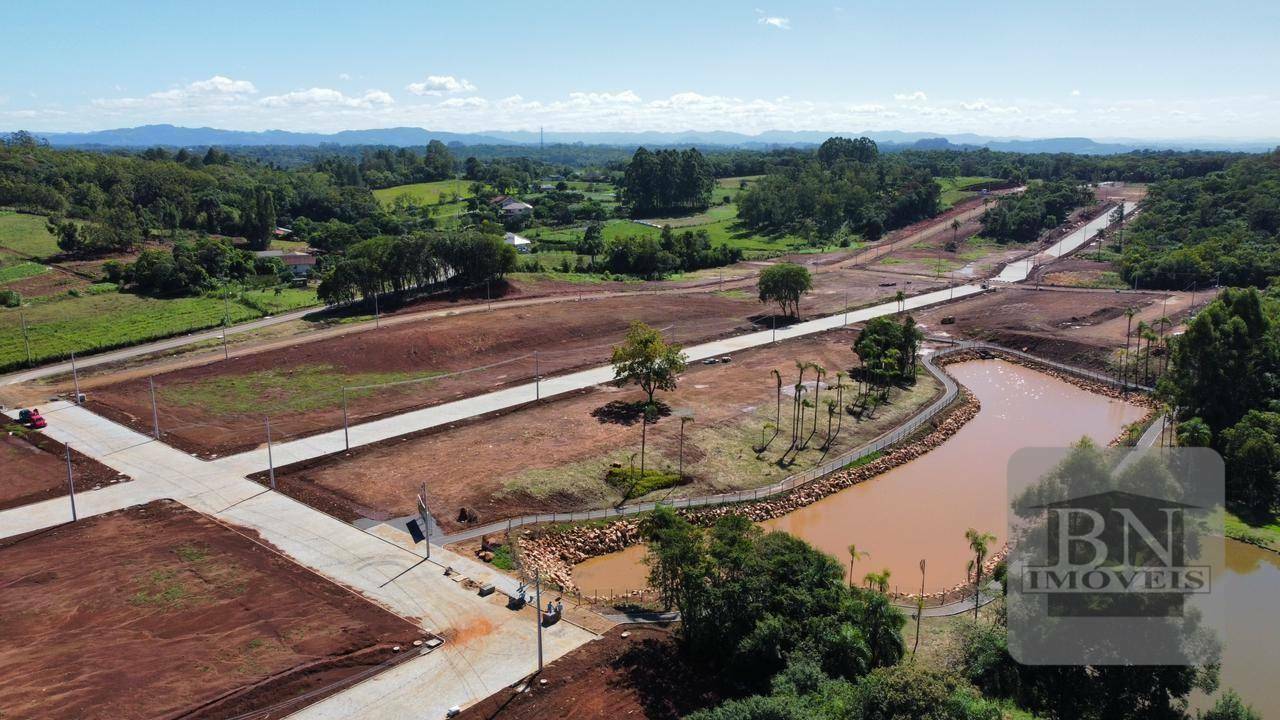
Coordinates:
[619,412]
[666,684]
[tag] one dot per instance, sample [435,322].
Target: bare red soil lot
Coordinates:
[1081,327]
[640,676]
[33,467]
[554,455]
[158,611]
[567,335]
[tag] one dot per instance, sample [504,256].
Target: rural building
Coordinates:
[300,264]
[521,244]
[510,207]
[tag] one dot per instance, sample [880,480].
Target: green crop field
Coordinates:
[20,270]
[424,193]
[103,319]
[26,234]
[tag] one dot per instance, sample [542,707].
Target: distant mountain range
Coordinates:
[173,136]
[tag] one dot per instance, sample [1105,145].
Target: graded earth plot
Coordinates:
[559,455]
[1080,327]
[218,408]
[33,467]
[159,611]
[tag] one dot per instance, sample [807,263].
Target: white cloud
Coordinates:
[328,97]
[773,21]
[1075,93]
[984,106]
[441,85]
[217,89]
[917,96]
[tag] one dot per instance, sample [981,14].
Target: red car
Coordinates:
[31,418]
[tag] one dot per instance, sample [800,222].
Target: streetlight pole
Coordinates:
[22,315]
[537,378]
[75,377]
[846,307]
[537,611]
[271,464]
[346,436]
[377,315]
[71,485]
[155,413]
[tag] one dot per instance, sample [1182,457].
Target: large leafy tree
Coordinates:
[785,284]
[645,359]
[750,599]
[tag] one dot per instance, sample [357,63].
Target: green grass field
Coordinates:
[300,389]
[26,235]
[424,193]
[957,189]
[103,319]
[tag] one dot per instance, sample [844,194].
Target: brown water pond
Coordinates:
[922,509]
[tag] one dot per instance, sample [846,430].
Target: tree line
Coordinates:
[417,261]
[649,257]
[1022,217]
[667,181]
[847,187]
[1224,382]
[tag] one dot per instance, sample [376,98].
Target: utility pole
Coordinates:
[346,436]
[75,377]
[271,464]
[537,611]
[226,354]
[846,307]
[155,413]
[774,321]
[537,378]
[71,485]
[22,315]
[377,315]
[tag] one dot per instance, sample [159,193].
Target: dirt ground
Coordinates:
[640,676]
[1081,327]
[160,611]
[565,335]
[555,455]
[33,467]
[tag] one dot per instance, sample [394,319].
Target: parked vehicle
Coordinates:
[31,418]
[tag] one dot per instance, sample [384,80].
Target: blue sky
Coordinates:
[1026,68]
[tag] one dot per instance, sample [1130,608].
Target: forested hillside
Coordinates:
[1221,228]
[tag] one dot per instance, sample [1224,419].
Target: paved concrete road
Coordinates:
[488,647]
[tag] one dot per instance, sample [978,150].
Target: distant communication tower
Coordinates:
[541,144]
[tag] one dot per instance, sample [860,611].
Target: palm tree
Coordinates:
[901,299]
[882,629]
[955,230]
[919,610]
[1141,333]
[839,400]
[1129,312]
[978,543]
[879,581]
[1151,337]
[831,413]
[821,372]
[777,421]
[854,555]
[795,405]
